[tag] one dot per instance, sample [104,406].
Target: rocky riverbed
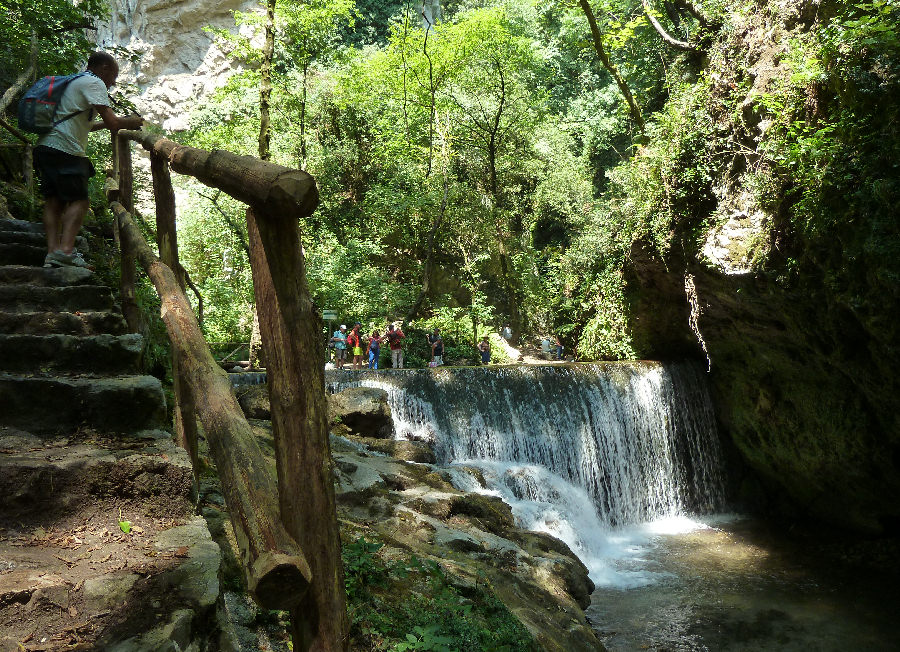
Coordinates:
[391,495]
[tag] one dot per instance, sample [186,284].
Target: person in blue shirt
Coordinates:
[340,346]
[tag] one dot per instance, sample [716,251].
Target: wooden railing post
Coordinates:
[277,573]
[290,330]
[167,240]
[126,197]
[279,197]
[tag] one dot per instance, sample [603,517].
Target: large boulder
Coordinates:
[361,411]
[254,401]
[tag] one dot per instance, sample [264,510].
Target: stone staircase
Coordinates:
[99,547]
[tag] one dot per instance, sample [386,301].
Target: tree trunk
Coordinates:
[167,240]
[429,258]
[130,308]
[296,377]
[255,340]
[265,82]
[604,59]
[303,117]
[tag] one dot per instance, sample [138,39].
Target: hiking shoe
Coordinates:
[59,259]
[47,262]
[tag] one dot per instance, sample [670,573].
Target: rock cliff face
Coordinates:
[799,323]
[177,62]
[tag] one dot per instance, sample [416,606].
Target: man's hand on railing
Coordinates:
[112,122]
[133,121]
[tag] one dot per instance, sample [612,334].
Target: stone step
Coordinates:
[33,239]
[97,354]
[86,322]
[21,225]
[87,468]
[53,404]
[19,298]
[52,277]
[72,575]
[19,254]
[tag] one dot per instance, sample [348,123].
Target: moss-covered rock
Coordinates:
[801,319]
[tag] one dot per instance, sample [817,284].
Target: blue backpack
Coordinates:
[37,109]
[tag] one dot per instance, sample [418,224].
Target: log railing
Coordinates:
[287,533]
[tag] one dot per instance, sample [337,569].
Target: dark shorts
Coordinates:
[485,356]
[63,176]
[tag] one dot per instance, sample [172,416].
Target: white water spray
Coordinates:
[589,453]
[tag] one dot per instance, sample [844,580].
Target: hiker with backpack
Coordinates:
[62,109]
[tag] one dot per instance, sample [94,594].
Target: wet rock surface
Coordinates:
[361,411]
[415,510]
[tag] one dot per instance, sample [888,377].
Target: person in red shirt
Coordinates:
[394,337]
[354,343]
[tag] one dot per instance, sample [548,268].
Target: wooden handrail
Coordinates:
[277,190]
[310,583]
[277,572]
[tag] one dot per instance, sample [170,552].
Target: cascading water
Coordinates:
[578,451]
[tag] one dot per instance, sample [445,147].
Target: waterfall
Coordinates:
[637,438]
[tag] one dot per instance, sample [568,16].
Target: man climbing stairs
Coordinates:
[99,548]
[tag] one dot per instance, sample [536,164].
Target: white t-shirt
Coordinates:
[82,93]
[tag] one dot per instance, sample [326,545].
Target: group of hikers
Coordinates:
[366,349]
[363,351]
[355,341]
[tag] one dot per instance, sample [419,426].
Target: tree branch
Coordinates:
[690,8]
[19,84]
[604,59]
[667,38]
[231,222]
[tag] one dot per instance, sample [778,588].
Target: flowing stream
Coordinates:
[581,452]
[622,462]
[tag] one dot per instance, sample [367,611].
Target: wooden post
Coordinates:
[277,573]
[296,379]
[167,240]
[126,197]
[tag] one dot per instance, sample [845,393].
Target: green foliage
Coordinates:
[58,27]
[360,568]
[424,638]
[124,525]
[495,146]
[409,604]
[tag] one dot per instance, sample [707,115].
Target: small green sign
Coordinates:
[329,315]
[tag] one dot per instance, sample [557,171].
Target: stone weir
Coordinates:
[639,437]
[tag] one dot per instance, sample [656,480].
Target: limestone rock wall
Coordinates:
[178,62]
[801,340]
